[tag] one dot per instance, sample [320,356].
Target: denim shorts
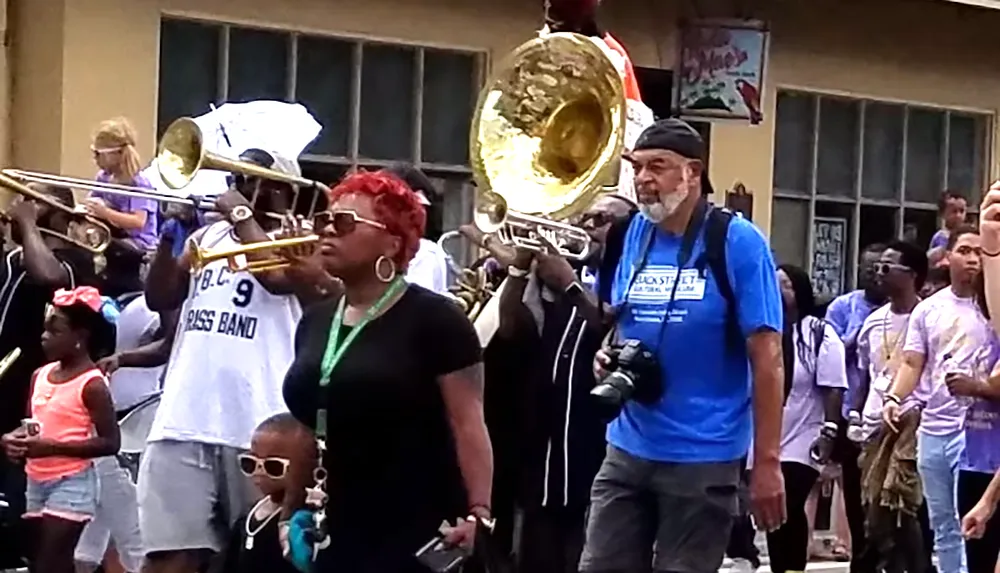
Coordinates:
[73,497]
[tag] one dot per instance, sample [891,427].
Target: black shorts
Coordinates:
[685,509]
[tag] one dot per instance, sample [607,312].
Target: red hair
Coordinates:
[396,206]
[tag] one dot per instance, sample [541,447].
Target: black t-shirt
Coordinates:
[264,554]
[393,470]
[22,318]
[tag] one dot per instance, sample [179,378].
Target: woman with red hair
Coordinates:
[390,376]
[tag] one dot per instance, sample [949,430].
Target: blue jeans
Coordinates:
[938,460]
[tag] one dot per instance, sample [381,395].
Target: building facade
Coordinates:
[871,107]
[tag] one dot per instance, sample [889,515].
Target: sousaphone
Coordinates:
[546,138]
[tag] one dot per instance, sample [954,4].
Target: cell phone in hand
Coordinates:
[440,557]
[31,427]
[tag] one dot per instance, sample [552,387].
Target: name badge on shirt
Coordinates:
[655,283]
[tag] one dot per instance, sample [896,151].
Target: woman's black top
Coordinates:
[393,470]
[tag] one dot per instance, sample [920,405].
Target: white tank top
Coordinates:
[137,326]
[234,343]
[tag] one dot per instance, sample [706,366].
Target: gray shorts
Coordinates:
[190,495]
[117,518]
[658,516]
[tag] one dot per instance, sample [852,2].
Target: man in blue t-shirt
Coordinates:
[672,468]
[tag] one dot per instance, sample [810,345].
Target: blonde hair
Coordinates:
[118,133]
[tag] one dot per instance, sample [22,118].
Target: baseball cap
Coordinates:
[675,135]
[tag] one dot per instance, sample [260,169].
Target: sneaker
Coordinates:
[742,566]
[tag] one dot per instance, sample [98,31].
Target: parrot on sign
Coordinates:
[751,99]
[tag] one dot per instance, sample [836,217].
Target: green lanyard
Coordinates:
[335,348]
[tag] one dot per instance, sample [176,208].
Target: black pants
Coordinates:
[897,542]
[981,554]
[846,454]
[550,539]
[788,546]
[13,538]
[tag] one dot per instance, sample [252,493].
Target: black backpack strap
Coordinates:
[614,246]
[714,257]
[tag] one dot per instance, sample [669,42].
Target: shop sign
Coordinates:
[828,251]
[721,70]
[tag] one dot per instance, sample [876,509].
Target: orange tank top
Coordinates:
[60,410]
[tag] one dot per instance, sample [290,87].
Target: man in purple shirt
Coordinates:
[947,336]
[846,314]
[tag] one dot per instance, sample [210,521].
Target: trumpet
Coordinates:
[472,288]
[95,234]
[241,257]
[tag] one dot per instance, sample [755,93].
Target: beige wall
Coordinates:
[76,62]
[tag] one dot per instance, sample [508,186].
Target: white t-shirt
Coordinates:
[803,415]
[137,326]
[880,353]
[429,267]
[234,343]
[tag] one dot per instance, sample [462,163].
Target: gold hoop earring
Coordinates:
[387,277]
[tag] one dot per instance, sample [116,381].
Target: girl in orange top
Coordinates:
[73,421]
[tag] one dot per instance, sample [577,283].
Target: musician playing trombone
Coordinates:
[118,159]
[232,348]
[34,266]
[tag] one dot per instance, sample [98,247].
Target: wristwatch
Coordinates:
[240,213]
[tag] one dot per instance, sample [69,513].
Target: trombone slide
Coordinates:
[9,360]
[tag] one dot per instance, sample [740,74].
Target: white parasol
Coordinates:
[229,130]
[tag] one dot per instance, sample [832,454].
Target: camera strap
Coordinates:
[694,226]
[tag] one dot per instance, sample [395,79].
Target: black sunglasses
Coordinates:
[884,268]
[342,222]
[274,468]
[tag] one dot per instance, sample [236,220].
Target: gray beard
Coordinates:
[657,212]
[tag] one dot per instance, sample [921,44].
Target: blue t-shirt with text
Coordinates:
[704,414]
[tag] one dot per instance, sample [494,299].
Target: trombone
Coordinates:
[111,188]
[181,155]
[96,233]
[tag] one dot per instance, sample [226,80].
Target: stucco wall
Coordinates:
[76,62]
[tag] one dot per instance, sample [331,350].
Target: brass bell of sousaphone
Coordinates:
[546,136]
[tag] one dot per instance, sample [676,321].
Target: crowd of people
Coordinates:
[650,408]
[627,409]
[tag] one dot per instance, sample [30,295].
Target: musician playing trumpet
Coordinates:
[548,305]
[232,348]
[35,266]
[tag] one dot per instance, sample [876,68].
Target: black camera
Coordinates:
[635,375]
